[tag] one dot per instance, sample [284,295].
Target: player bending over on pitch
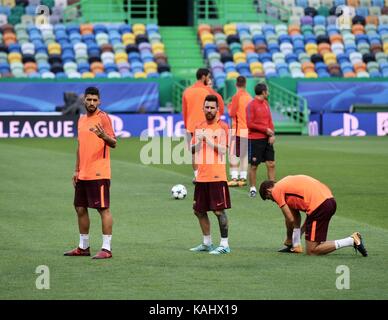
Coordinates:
[303,193]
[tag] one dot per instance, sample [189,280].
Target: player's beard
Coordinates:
[91,109]
[210,116]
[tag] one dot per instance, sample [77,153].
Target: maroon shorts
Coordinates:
[317,222]
[92,193]
[211,196]
[238,146]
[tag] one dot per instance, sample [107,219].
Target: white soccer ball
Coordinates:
[179,192]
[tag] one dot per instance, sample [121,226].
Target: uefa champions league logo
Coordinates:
[344,16]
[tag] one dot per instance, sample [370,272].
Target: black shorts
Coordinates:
[211,196]
[92,194]
[317,222]
[238,146]
[259,150]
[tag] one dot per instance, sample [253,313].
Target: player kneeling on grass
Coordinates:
[209,146]
[304,193]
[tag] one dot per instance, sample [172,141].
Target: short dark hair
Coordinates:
[241,81]
[211,98]
[92,90]
[202,72]
[260,88]
[267,184]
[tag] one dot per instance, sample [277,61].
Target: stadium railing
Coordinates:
[178,87]
[289,104]
[226,11]
[135,11]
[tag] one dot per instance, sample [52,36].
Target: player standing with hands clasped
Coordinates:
[92,174]
[209,145]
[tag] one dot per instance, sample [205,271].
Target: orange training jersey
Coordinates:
[300,192]
[192,105]
[211,165]
[237,111]
[94,153]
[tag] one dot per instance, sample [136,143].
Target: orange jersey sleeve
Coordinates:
[184,109]
[107,124]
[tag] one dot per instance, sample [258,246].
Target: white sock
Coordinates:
[83,241]
[106,240]
[224,242]
[195,173]
[252,188]
[234,174]
[207,240]
[243,175]
[296,237]
[347,242]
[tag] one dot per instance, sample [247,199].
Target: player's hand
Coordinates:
[200,135]
[271,140]
[75,178]
[297,249]
[270,132]
[98,130]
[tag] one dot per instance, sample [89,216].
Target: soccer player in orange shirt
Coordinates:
[92,174]
[304,193]
[192,104]
[239,142]
[209,144]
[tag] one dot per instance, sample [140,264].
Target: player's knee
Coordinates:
[81,211]
[270,164]
[199,214]
[312,251]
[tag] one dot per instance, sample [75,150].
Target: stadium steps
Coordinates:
[285,125]
[183,51]
[240,10]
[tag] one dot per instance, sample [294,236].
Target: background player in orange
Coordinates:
[209,145]
[304,193]
[192,104]
[261,136]
[92,174]
[239,142]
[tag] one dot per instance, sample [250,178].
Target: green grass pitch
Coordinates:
[152,232]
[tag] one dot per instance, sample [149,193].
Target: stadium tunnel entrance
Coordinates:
[177,13]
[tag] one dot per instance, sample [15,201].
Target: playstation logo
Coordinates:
[350,127]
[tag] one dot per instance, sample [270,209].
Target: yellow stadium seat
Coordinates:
[232,75]
[121,57]
[128,41]
[139,75]
[139,28]
[311,74]
[207,36]
[88,75]
[14,57]
[128,36]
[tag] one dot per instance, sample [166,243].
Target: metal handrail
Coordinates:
[178,87]
[288,104]
[112,11]
[204,9]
